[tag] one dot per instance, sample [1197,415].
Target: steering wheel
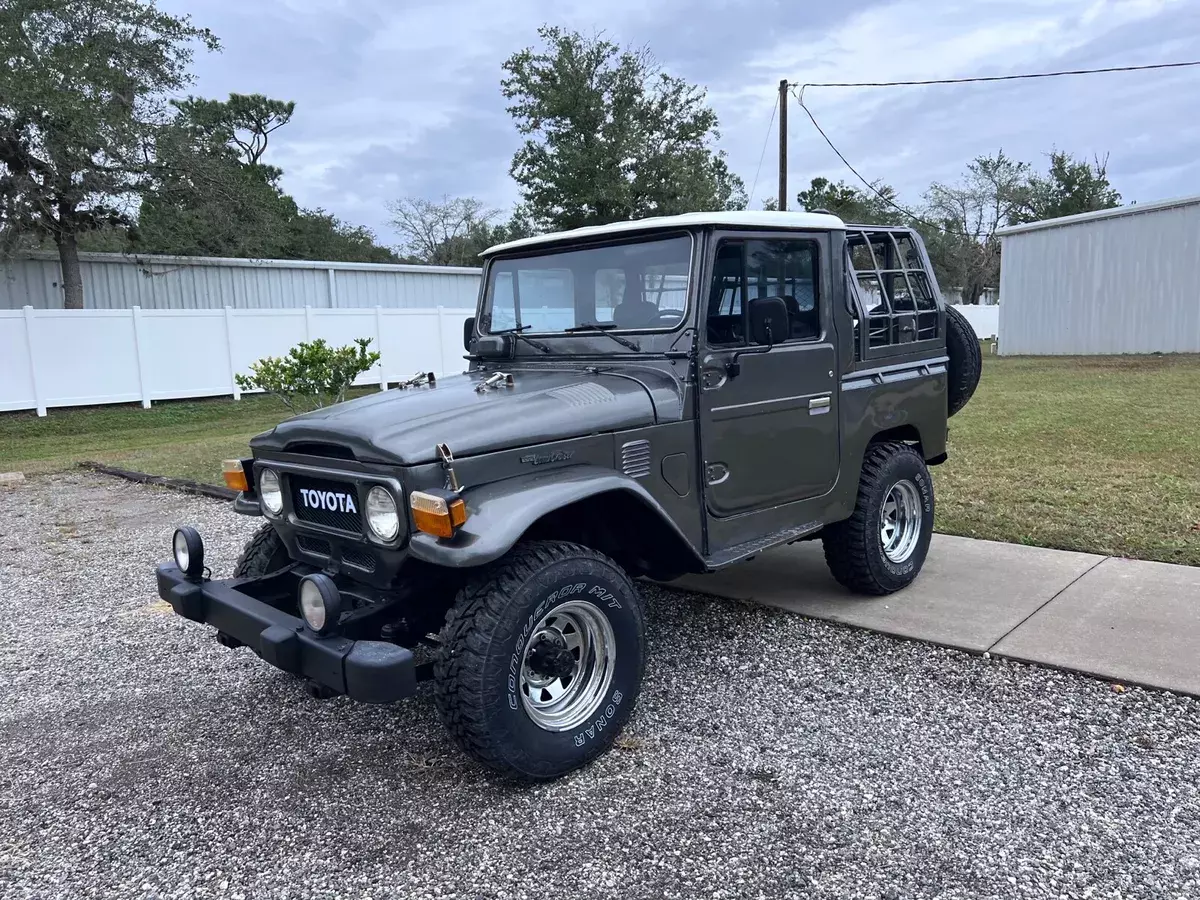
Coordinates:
[668,316]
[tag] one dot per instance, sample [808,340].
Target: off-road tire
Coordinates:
[854,548]
[966,360]
[263,554]
[478,668]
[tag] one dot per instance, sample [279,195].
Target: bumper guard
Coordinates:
[370,671]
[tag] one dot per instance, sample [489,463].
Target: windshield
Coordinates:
[638,287]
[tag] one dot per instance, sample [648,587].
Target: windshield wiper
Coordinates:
[603,328]
[516,332]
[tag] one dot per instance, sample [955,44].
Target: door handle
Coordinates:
[818,406]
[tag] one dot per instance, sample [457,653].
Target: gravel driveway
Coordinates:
[770,756]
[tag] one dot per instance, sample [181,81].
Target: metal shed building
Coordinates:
[1123,280]
[117,281]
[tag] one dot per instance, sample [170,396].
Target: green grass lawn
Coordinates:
[1096,454]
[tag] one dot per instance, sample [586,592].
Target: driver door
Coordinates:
[769,420]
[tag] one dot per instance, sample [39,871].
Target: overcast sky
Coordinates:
[403,98]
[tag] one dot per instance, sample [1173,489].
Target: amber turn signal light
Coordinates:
[234,474]
[437,512]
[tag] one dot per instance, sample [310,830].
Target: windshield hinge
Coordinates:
[447,458]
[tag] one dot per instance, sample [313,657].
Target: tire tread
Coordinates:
[477,611]
[845,543]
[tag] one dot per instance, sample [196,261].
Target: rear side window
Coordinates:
[893,287]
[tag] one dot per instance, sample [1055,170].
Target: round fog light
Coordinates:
[382,517]
[189,551]
[320,603]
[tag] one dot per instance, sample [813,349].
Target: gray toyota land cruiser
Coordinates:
[641,400]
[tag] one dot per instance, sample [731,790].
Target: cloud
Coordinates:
[398,99]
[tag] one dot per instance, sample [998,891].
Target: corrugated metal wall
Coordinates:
[113,281]
[1122,284]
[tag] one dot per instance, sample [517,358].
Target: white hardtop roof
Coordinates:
[1132,209]
[733,219]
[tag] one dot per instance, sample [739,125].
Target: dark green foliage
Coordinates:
[213,195]
[610,136]
[81,90]
[853,204]
[1071,186]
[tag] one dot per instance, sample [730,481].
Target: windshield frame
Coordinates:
[547,252]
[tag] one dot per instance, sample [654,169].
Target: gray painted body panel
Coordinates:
[725,466]
[403,427]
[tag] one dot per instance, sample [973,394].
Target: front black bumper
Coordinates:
[371,671]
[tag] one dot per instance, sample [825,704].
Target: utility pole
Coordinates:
[783,150]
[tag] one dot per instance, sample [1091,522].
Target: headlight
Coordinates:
[270,493]
[382,517]
[189,551]
[320,603]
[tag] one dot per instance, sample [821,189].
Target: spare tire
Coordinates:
[966,360]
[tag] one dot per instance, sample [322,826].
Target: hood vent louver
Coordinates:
[635,459]
[313,448]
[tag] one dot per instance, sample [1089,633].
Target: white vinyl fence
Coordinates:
[984,319]
[83,357]
[52,358]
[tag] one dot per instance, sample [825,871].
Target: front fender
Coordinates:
[500,512]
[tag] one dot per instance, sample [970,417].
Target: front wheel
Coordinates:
[882,546]
[541,659]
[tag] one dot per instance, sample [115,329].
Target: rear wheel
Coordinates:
[541,659]
[882,546]
[263,554]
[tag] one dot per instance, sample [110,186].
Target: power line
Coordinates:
[982,78]
[977,79]
[762,156]
[871,187]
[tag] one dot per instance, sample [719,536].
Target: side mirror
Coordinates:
[768,324]
[768,320]
[468,332]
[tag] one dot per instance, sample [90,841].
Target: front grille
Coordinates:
[359,559]
[321,501]
[313,545]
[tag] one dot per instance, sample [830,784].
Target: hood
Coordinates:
[404,426]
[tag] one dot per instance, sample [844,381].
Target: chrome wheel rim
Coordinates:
[900,521]
[567,666]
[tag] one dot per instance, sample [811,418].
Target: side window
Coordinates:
[893,287]
[724,321]
[746,270]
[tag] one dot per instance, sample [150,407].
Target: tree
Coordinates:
[452,232]
[853,204]
[1070,187]
[81,93]
[441,233]
[244,121]
[963,246]
[610,136]
[214,195]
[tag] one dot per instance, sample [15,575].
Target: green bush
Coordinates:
[312,375]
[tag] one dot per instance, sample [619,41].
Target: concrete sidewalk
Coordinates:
[1120,619]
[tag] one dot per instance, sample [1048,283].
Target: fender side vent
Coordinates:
[635,459]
